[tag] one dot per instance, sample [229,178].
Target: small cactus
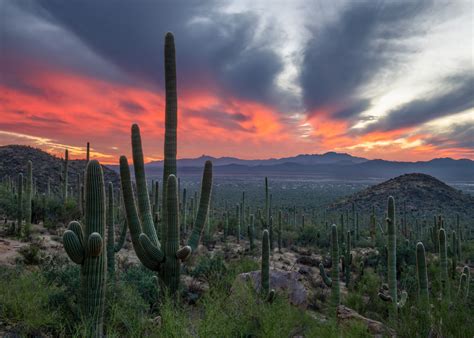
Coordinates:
[463,291]
[333,281]
[422,272]
[347,259]
[265,273]
[28,198]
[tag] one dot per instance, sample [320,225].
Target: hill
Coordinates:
[337,166]
[14,158]
[423,195]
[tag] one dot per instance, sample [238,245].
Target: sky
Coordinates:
[256,79]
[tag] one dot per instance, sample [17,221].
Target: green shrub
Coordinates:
[25,303]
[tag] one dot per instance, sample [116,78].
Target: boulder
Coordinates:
[283,282]
[376,328]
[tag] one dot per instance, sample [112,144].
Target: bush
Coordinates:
[25,303]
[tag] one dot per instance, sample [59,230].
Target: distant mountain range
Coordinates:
[330,165]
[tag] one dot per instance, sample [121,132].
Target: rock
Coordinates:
[308,260]
[156,321]
[283,282]
[374,327]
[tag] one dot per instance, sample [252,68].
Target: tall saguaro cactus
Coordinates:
[347,259]
[422,272]
[85,246]
[265,273]
[333,281]
[443,259]
[28,198]
[392,262]
[19,205]
[65,175]
[171,123]
[112,247]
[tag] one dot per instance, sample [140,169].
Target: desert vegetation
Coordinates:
[87,256]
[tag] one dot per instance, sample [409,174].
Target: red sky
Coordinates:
[60,88]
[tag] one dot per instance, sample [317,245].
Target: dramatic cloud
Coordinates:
[256,79]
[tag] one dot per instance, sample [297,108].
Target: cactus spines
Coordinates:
[265,273]
[28,198]
[333,281]
[421,272]
[65,175]
[85,246]
[347,259]
[392,261]
[171,121]
[443,262]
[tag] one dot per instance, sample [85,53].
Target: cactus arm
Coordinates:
[132,216]
[152,251]
[385,297]
[76,227]
[123,234]
[195,237]
[327,280]
[94,244]
[73,246]
[148,226]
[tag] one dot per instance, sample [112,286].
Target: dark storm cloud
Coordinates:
[458,135]
[348,52]
[219,118]
[132,107]
[215,50]
[455,95]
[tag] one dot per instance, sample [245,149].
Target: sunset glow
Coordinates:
[57,96]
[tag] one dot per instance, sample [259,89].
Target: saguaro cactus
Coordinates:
[28,198]
[85,246]
[280,231]
[265,274]
[19,205]
[251,232]
[421,272]
[65,175]
[463,291]
[392,262]
[333,281]
[164,256]
[443,259]
[171,123]
[113,248]
[347,259]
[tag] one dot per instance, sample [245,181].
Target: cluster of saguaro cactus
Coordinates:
[267,293]
[162,253]
[333,281]
[85,246]
[112,247]
[392,297]
[347,259]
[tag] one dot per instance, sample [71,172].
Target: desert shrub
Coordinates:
[143,280]
[31,254]
[25,303]
[308,236]
[210,268]
[56,212]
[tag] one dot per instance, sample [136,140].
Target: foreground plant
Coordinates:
[85,246]
[162,253]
